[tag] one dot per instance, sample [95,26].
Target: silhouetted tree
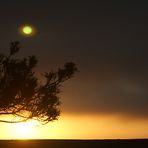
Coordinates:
[21,94]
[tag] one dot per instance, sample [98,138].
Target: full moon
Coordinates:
[27,30]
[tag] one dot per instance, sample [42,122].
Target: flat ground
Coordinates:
[139,143]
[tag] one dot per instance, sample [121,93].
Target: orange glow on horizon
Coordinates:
[77,127]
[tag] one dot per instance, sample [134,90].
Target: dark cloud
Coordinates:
[112,84]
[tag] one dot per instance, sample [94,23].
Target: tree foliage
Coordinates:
[21,94]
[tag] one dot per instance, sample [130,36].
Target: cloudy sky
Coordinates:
[107,41]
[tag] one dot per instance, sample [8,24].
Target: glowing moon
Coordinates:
[27,30]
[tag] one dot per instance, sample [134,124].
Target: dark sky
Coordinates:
[107,40]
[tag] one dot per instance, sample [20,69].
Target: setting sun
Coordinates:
[24,130]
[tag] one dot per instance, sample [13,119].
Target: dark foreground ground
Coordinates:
[74,143]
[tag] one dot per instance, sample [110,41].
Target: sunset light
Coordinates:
[26,130]
[23,130]
[72,126]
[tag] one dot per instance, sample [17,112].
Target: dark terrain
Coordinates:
[139,143]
